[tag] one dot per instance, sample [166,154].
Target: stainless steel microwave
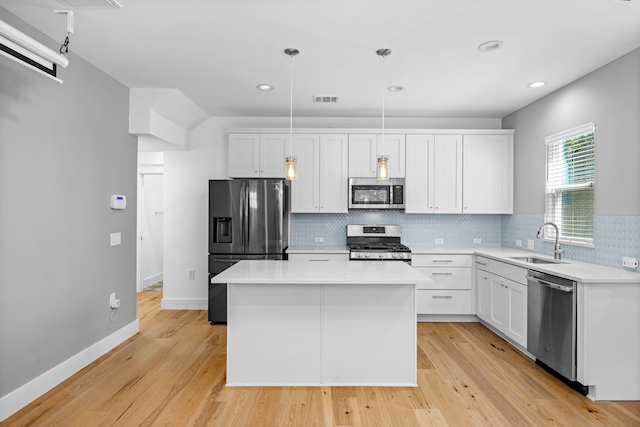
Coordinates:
[371,193]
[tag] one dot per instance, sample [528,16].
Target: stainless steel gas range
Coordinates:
[376,243]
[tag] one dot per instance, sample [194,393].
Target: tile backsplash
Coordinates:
[456,230]
[615,235]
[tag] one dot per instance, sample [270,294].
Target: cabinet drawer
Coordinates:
[446,278]
[444,302]
[443,260]
[503,269]
[318,257]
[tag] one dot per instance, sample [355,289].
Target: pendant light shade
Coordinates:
[383,161]
[383,167]
[291,173]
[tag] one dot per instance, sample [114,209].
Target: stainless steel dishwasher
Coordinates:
[551,322]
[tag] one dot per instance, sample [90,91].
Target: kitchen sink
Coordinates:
[536,260]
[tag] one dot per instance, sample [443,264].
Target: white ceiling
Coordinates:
[217,51]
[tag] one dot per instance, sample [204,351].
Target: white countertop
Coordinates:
[313,272]
[574,270]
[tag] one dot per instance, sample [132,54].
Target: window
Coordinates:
[569,188]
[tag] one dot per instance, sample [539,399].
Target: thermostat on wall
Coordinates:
[118,201]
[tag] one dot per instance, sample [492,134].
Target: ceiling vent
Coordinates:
[326,99]
[93,4]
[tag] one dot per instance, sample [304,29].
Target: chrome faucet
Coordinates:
[557,252]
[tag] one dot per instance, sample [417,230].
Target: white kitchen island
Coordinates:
[306,323]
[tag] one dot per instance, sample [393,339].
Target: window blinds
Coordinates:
[570,178]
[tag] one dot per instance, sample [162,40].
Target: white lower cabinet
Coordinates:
[451,291]
[502,298]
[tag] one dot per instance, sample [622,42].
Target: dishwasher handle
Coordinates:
[562,288]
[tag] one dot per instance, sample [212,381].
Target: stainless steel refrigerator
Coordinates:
[248,219]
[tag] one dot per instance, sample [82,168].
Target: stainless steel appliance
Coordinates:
[551,324]
[376,243]
[370,193]
[248,219]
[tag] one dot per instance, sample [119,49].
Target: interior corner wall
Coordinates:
[610,97]
[64,149]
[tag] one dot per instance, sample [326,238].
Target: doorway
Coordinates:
[150,231]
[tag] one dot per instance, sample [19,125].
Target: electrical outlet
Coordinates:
[191,274]
[113,301]
[477,240]
[629,262]
[519,243]
[530,244]
[439,240]
[116,239]
[319,240]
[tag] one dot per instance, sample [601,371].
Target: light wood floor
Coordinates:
[173,374]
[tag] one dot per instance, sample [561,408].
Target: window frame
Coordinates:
[553,192]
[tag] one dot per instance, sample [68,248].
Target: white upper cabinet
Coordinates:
[364,150]
[434,174]
[273,150]
[322,184]
[418,186]
[334,173]
[257,155]
[447,174]
[394,147]
[487,174]
[244,155]
[362,155]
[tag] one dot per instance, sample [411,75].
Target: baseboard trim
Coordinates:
[185,304]
[22,396]
[148,281]
[447,318]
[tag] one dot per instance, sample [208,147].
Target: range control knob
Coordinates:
[380,255]
[396,255]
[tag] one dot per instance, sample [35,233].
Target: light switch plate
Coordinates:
[439,240]
[477,240]
[629,262]
[519,243]
[530,244]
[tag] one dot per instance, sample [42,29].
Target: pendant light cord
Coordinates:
[291,109]
[383,104]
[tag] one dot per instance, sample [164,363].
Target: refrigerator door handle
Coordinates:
[243,214]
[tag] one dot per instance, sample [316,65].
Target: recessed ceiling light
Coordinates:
[395,88]
[537,84]
[264,87]
[490,46]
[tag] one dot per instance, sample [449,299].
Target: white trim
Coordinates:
[152,279]
[185,303]
[22,396]
[376,131]
[571,133]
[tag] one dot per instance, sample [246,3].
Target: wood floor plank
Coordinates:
[174,372]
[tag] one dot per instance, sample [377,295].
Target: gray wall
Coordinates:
[610,97]
[63,150]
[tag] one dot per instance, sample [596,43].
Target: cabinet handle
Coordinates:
[318,260]
[441,274]
[442,260]
[442,296]
[481,263]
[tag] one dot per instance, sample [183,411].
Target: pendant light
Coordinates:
[291,173]
[383,161]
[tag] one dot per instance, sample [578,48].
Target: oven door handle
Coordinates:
[556,286]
